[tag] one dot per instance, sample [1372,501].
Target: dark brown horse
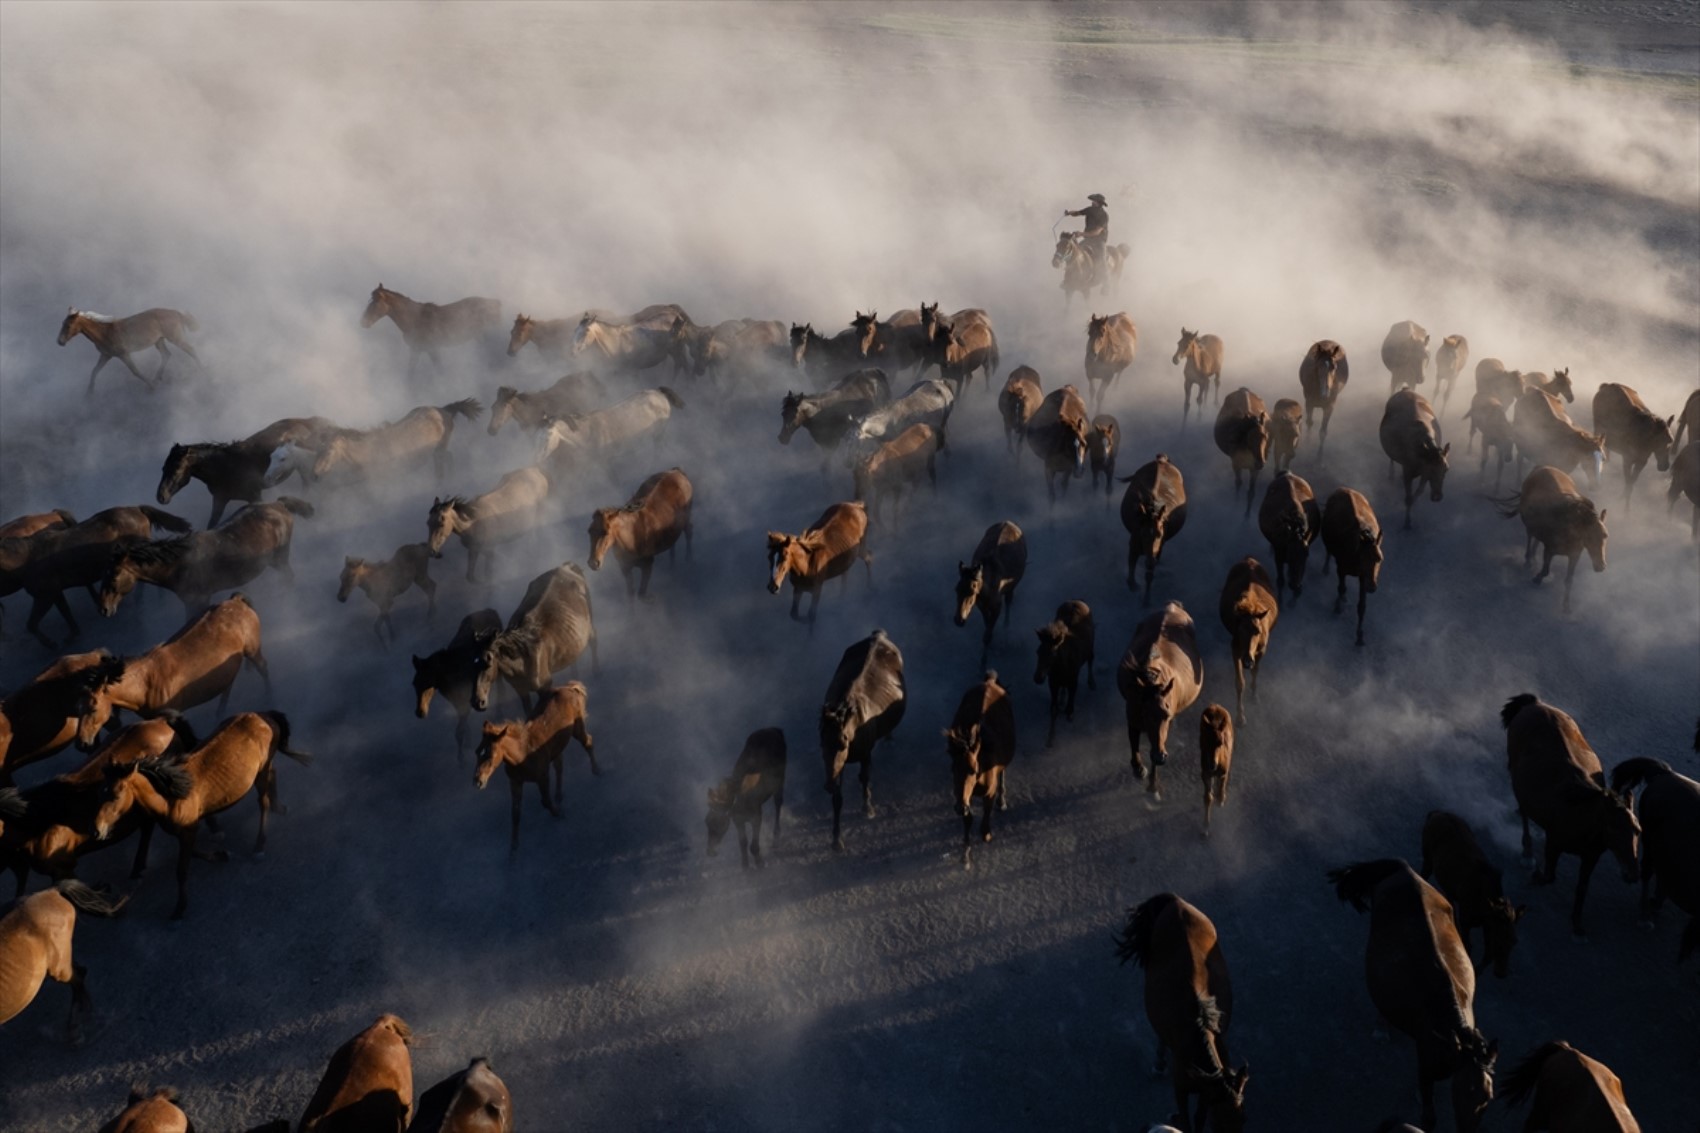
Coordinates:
[1065,644]
[40,719]
[1154,512]
[1569,1092]
[1057,435]
[1454,860]
[864,704]
[1685,481]
[981,745]
[988,580]
[822,357]
[1632,431]
[1249,609]
[427,327]
[828,417]
[1286,430]
[239,470]
[757,776]
[1405,353]
[1103,442]
[1410,436]
[1241,433]
[1670,839]
[383,581]
[1323,374]
[453,670]
[1562,520]
[1160,676]
[1290,519]
[1351,536]
[1561,787]
[195,567]
[1421,980]
[1017,403]
[118,338]
[1189,1002]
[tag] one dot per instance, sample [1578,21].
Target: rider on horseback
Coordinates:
[1096,218]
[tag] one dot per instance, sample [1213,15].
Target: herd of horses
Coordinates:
[159,773]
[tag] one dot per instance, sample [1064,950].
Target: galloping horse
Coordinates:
[197,566]
[427,326]
[116,338]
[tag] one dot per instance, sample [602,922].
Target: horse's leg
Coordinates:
[141,377]
[104,359]
[430,588]
[1547,555]
[81,1004]
[1569,575]
[1133,744]
[867,786]
[265,794]
[1589,861]
[164,360]
[144,839]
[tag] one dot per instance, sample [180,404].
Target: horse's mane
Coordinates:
[1515,705]
[160,552]
[1523,1077]
[459,503]
[1356,883]
[510,641]
[95,316]
[169,779]
[1134,941]
[1631,773]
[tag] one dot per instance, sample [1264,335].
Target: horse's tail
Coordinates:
[1515,705]
[469,407]
[673,399]
[1134,942]
[1509,506]
[165,521]
[993,360]
[187,740]
[88,900]
[65,517]
[280,725]
[1355,883]
[1631,773]
[189,322]
[12,803]
[295,506]
[1516,1085]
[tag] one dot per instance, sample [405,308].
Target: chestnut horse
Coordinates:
[117,338]
[552,337]
[1202,354]
[35,946]
[650,523]
[1562,520]
[1215,756]
[981,745]
[864,704]
[526,750]
[757,776]
[368,1086]
[1017,403]
[1154,512]
[473,1100]
[1057,435]
[1569,1092]
[826,549]
[1249,609]
[1111,341]
[385,581]
[1160,676]
[40,719]
[153,1111]
[1405,353]
[1323,374]
[1242,434]
[426,327]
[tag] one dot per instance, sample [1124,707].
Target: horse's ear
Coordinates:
[418,662]
[72,309]
[436,501]
[1446,448]
[1602,515]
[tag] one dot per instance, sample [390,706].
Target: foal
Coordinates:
[386,581]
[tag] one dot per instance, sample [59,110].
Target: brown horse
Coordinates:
[567,443]
[368,1086]
[1248,609]
[1291,520]
[1670,839]
[1421,981]
[1057,435]
[1486,415]
[1493,379]
[29,526]
[1242,434]
[1154,512]
[823,357]
[238,758]
[1065,644]
[1102,444]
[896,466]
[826,549]
[40,719]
[1202,354]
[243,470]
[473,1100]
[962,346]
[150,1112]
[1017,403]
[1215,756]
[195,567]
[1449,362]
[550,629]
[1410,436]
[1562,520]
[1286,429]
[504,513]
[1323,374]
[527,750]
[453,670]
[1405,354]
[1569,1092]
[196,664]
[1081,269]
[572,395]
[1688,421]
[383,582]
[895,344]
[118,338]
[650,523]
[1351,536]
[981,745]
[552,337]
[743,347]
[1189,1002]
[1685,481]
[864,704]
[828,417]
[427,327]
[1160,676]
[387,447]
[1454,860]
[35,946]
[1561,787]
[988,580]
[1544,434]
[1633,431]
[757,776]
[1111,341]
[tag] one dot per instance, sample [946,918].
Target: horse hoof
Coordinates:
[868,812]
[838,845]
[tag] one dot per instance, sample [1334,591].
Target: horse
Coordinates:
[527,749]
[29,526]
[743,346]
[981,744]
[40,719]
[757,776]
[1189,1002]
[240,470]
[1081,269]
[1633,431]
[385,581]
[629,347]
[473,1100]
[1286,429]
[1160,676]
[1065,644]
[1057,435]
[196,664]
[1421,980]
[1323,373]
[894,345]
[823,357]
[237,758]
[1449,362]
[427,327]
[368,1086]
[897,465]
[1493,379]
[1561,787]
[829,416]
[864,703]
[650,523]
[1405,353]
[571,395]
[960,347]
[195,567]
[1670,839]
[1569,1092]
[1351,536]
[1544,434]
[1562,520]
[1017,402]
[453,669]
[1290,520]
[988,580]
[426,428]
[929,401]
[1249,609]
[1486,415]
[1410,436]
[1454,860]
[1153,512]
[1241,433]
[1215,756]
[1102,444]
[1685,481]
[552,337]
[1688,421]
[507,511]
[147,1111]
[600,434]
[35,946]
[826,549]
[1202,354]
[118,338]
[548,632]
[1111,341]
[598,329]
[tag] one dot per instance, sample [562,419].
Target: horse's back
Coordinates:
[1417,969]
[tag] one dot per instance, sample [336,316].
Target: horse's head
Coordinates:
[498,744]
[1154,688]
[1189,339]
[929,320]
[174,473]
[837,731]
[424,685]
[1592,529]
[784,554]
[280,465]
[1146,531]
[867,329]
[1664,441]
[121,578]
[1559,385]
[71,327]
[1051,639]
[521,333]
[148,783]
[1432,461]
[970,581]
[587,333]
[1097,327]
[1500,927]
[445,518]
[1622,833]
[800,336]
[1472,1080]
[486,666]
[792,414]
[502,409]
[720,799]
[604,526]
[378,307]
[1369,557]
[94,700]
[354,572]
[962,742]
[1065,249]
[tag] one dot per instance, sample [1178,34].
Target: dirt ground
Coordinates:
[618,978]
